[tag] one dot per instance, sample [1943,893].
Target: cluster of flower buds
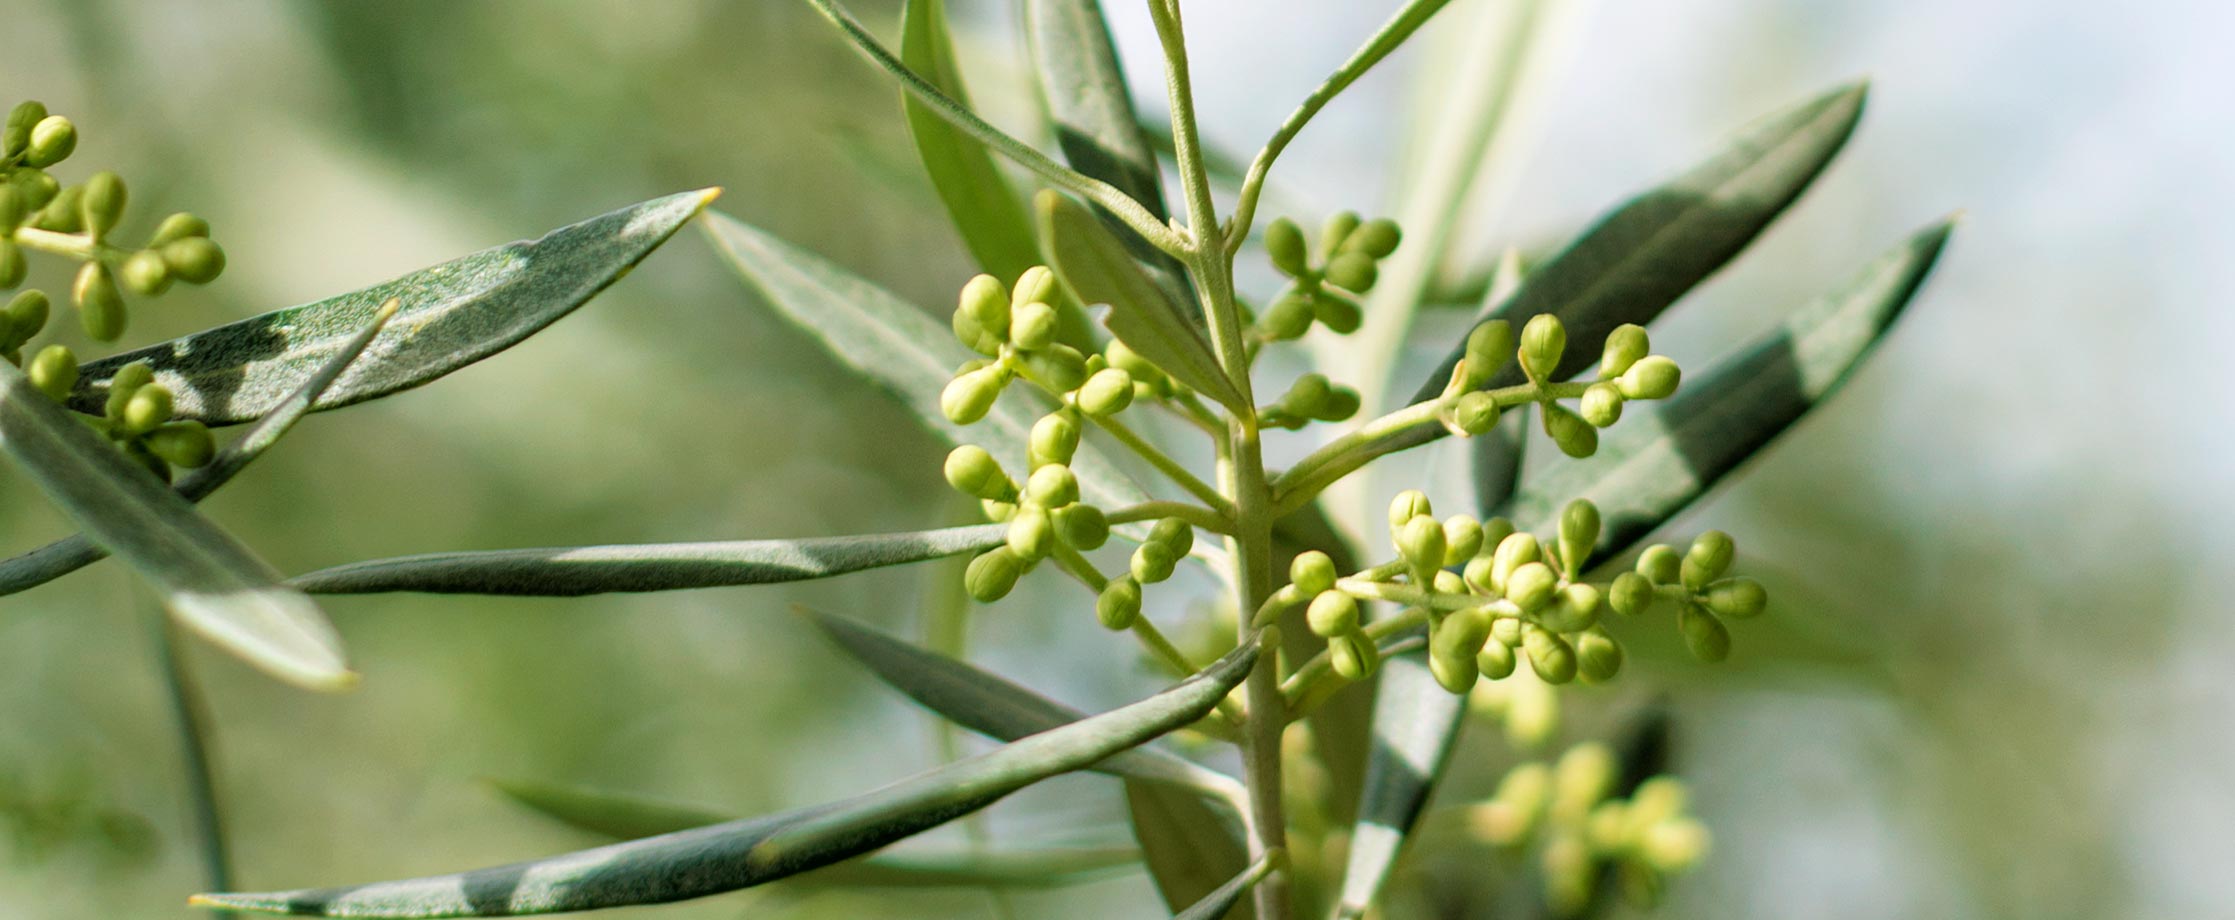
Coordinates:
[38,212]
[137,416]
[1348,260]
[1627,371]
[1566,812]
[1312,398]
[1169,541]
[1695,582]
[1044,512]
[1016,330]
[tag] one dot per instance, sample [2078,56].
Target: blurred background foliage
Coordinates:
[1996,686]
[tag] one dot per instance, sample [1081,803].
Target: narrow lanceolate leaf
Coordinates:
[620,815]
[1415,722]
[212,583]
[1192,845]
[1649,467]
[1218,902]
[1095,265]
[900,347]
[1084,85]
[74,552]
[988,213]
[453,314]
[740,854]
[1647,253]
[572,571]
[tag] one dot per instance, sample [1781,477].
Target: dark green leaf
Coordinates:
[739,854]
[990,216]
[1192,845]
[1415,722]
[898,346]
[453,314]
[208,580]
[572,571]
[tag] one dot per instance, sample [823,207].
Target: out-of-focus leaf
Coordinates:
[620,815]
[1227,896]
[992,220]
[453,314]
[1095,265]
[899,346]
[572,571]
[1649,467]
[208,580]
[1415,722]
[739,854]
[1193,846]
[74,552]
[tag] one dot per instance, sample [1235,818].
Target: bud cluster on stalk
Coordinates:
[1566,812]
[1323,282]
[137,415]
[1627,371]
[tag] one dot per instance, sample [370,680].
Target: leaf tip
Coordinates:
[707,195]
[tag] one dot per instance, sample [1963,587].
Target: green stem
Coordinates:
[1316,682]
[1194,515]
[1403,429]
[1171,468]
[191,713]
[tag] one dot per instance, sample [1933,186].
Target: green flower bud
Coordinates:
[1531,586]
[1107,393]
[1464,630]
[1489,347]
[1598,657]
[1408,504]
[1312,572]
[12,208]
[972,471]
[103,202]
[1462,539]
[969,397]
[1707,560]
[13,266]
[1601,405]
[981,319]
[128,380]
[27,313]
[1476,576]
[17,137]
[54,370]
[1061,367]
[1608,826]
[1674,847]
[1631,594]
[1494,532]
[1284,243]
[1654,377]
[1542,342]
[1573,608]
[52,141]
[993,574]
[1175,534]
[1032,326]
[145,273]
[1625,346]
[1131,362]
[1659,564]
[1496,660]
[1549,655]
[1582,778]
[1288,318]
[149,406]
[1082,526]
[1703,634]
[1353,655]
[1341,315]
[36,188]
[195,259]
[999,512]
[1153,562]
[1513,552]
[1031,533]
[1052,486]
[1740,598]
[178,227]
[1575,437]
[1506,631]
[1055,438]
[64,214]
[100,304]
[1579,532]
[1421,543]
[1341,404]
[1472,414]
[1335,232]
[1375,238]
[1568,874]
[1307,397]
[1449,583]
[1036,285]
[1353,271]
[1658,799]
[1453,671]
[1332,614]
[1120,603]
[185,444]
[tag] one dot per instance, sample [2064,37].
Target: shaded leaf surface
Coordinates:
[1193,847]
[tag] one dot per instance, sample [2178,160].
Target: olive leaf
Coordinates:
[1226,897]
[454,314]
[740,854]
[898,346]
[208,580]
[1415,722]
[573,571]
[991,218]
[1092,261]
[1192,845]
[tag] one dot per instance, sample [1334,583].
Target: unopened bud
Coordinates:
[1703,634]
[195,260]
[1625,346]
[1489,347]
[1543,340]
[1739,598]
[1031,533]
[1312,572]
[1341,315]
[1579,533]
[1284,243]
[1052,486]
[1549,655]
[145,273]
[100,304]
[1573,608]
[1653,377]
[1061,367]
[972,471]
[1516,550]
[1496,660]
[52,141]
[185,444]
[1421,543]
[1353,271]
[1574,436]
[1153,562]
[993,574]
[1408,504]
[1601,405]
[1707,560]
[54,370]
[969,397]
[103,202]
[1288,318]
[1032,326]
[1055,438]
[1120,603]
[1353,656]
[1331,614]
[1473,413]
[1335,232]
[1531,585]
[1660,564]
[1462,539]
[1597,656]
[1376,238]
[1081,526]
[1631,594]
[1107,393]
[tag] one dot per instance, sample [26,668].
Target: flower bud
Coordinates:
[1284,243]
[54,370]
[100,304]
[1740,598]
[1506,631]
[993,574]
[1061,367]
[1341,315]
[969,397]
[1653,377]
[1353,655]
[1703,634]
[1312,572]
[178,227]
[1675,846]
[1542,342]
[1531,585]
[1055,438]
[972,471]
[1107,393]
[1631,594]
[1659,564]
[1516,550]
[195,260]
[17,137]
[1574,436]
[1601,405]
[1462,539]
[185,444]
[1081,526]
[52,140]
[1353,271]
[1582,778]
[1658,799]
[149,406]
[1052,486]
[1453,672]
[1408,504]
[65,213]
[1375,238]
[1494,532]
[1120,603]
[1335,232]
[35,188]
[1625,346]
[1464,630]
[1032,326]
[1549,655]
[1342,403]
[1331,614]
[1307,397]
[999,512]
[1496,660]
[103,202]
[1573,608]
[128,380]
[1153,562]
[13,266]
[981,320]
[1131,362]
[1476,576]
[1035,285]
[1579,533]
[1449,583]
[1175,534]
[1473,413]
[1288,318]
[145,273]
[1489,347]
[1031,533]
[12,208]
[27,313]
[1421,543]
[1707,560]
[1597,656]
